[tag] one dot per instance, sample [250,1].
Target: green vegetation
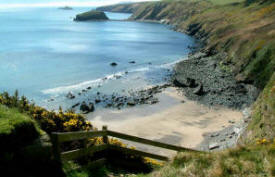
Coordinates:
[49,121]
[262,124]
[16,129]
[241,161]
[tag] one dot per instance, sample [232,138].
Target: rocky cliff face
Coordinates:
[243,31]
[91,15]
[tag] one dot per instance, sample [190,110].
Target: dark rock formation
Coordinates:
[87,108]
[65,8]
[113,64]
[202,80]
[70,96]
[91,15]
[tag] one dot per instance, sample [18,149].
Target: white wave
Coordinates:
[171,64]
[82,85]
[140,69]
[99,81]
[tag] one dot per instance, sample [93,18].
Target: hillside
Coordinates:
[243,31]
[125,8]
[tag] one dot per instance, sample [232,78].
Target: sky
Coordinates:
[58,3]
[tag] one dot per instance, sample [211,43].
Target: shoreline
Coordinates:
[174,119]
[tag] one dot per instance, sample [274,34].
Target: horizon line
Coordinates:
[72,4]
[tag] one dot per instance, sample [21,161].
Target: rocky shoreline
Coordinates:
[226,138]
[118,101]
[203,78]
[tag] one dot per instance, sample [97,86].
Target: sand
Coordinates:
[175,120]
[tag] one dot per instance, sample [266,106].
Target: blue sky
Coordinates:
[35,3]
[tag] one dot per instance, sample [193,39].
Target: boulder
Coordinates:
[75,105]
[70,95]
[113,64]
[87,108]
[131,103]
[91,15]
[199,90]
[213,146]
[185,82]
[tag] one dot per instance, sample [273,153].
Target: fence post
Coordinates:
[105,137]
[56,147]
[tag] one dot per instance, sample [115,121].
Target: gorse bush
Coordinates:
[49,121]
[63,121]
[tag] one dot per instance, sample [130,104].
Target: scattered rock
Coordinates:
[212,85]
[131,103]
[97,101]
[89,88]
[75,105]
[213,146]
[215,134]
[87,108]
[237,130]
[113,64]
[132,62]
[70,96]
[231,121]
[118,76]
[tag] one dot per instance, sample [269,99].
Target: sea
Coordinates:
[45,55]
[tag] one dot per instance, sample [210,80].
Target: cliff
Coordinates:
[243,31]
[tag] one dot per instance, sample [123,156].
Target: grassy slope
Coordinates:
[16,129]
[256,161]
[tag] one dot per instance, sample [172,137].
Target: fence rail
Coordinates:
[58,138]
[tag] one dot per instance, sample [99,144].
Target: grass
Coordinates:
[16,129]
[215,2]
[73,169]
[263,119]
[242,161]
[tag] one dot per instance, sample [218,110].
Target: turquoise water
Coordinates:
[45,54]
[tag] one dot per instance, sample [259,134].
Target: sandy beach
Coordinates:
[175,120]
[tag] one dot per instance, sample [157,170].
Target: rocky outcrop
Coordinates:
[202,79]
[65,8]
[86,108]
[91,15]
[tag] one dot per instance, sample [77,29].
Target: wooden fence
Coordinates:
[59,138]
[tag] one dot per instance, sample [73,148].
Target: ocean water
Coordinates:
[45,54]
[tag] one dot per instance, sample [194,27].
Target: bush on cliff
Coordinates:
[49,121]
